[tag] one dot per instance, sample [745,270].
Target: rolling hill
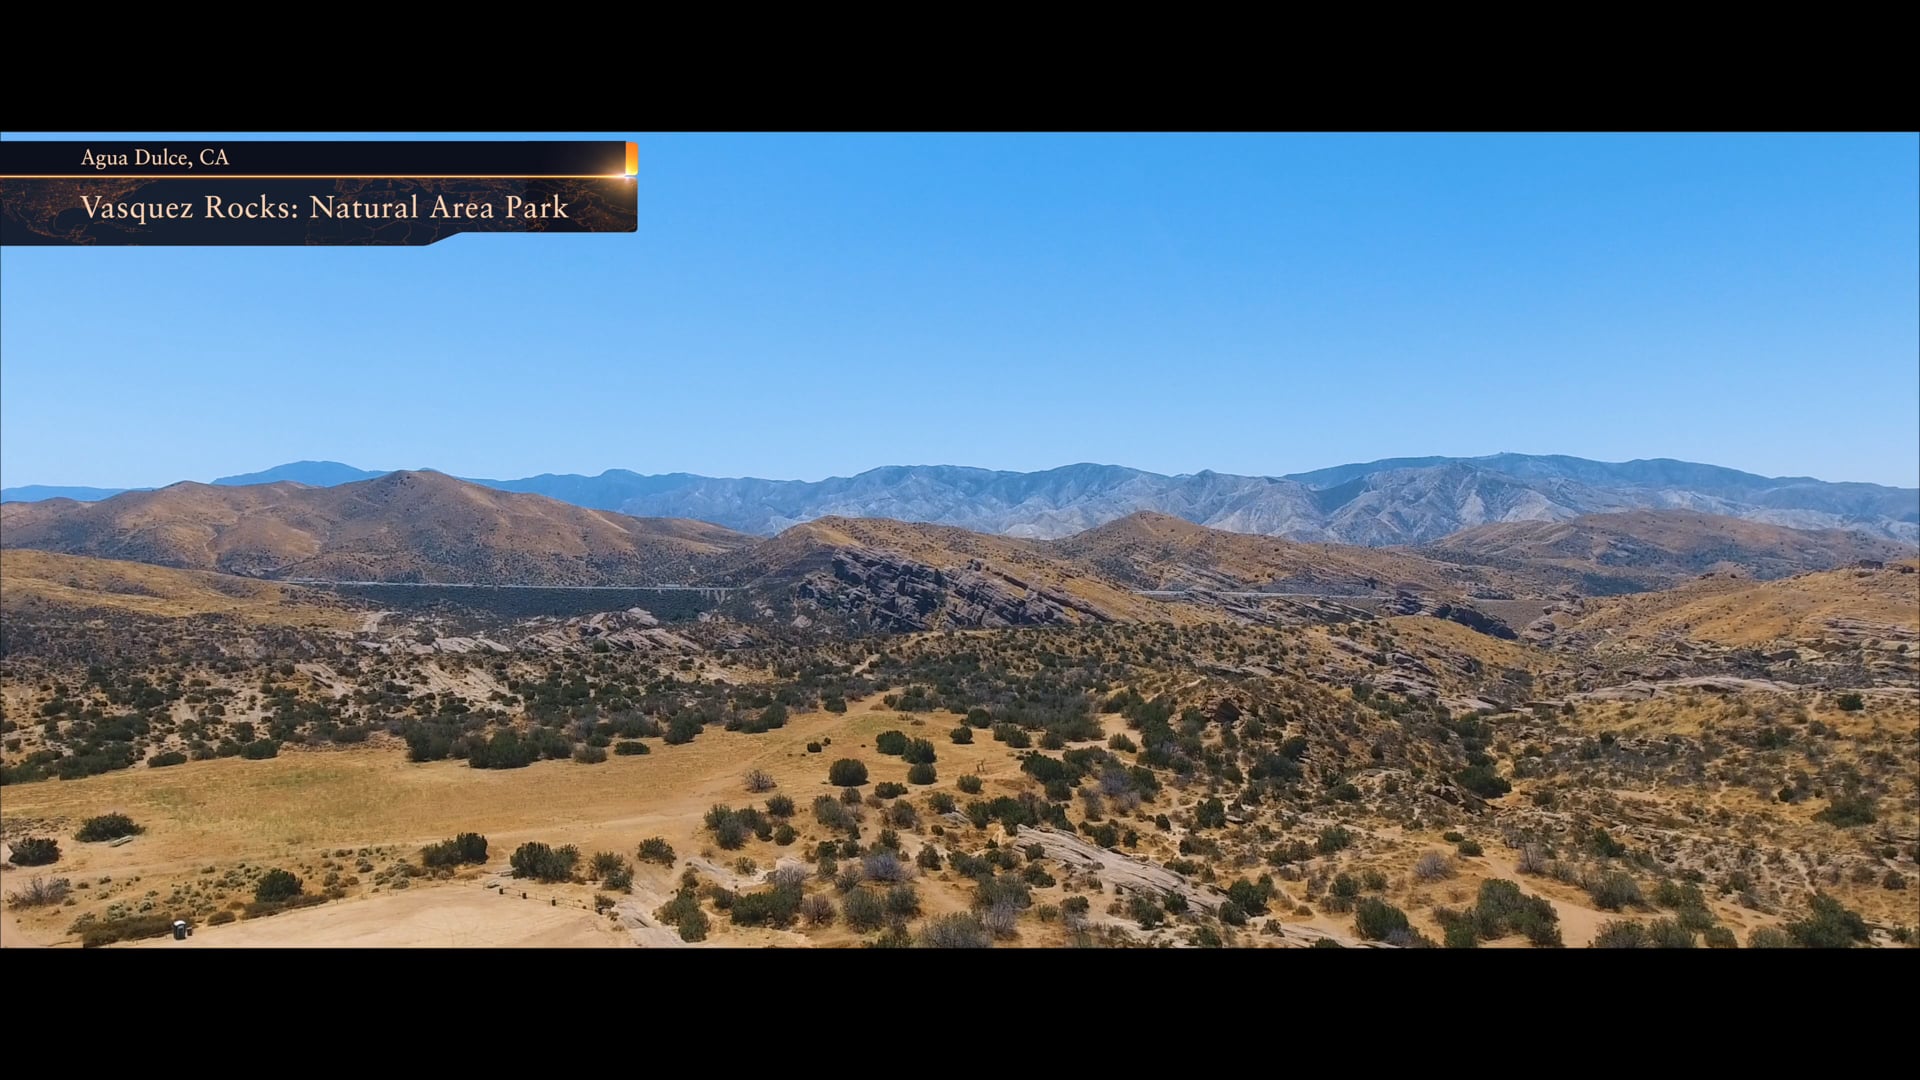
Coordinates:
[39,583]
[1637,550]
[403,526]
[1159,551]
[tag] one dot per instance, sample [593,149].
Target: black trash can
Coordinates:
[179,931]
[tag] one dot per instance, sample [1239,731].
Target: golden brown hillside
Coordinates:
[1159,551]
[405,526]
[1735,611]
[1647,549]
[41,584]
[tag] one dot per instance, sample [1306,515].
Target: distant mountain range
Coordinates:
[1396,501]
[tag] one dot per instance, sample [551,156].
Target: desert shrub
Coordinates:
[863,910]
[602,864]
[780,806]
[465,848]
[833,814]
[731,827]
[220,918]
[919,752]
[1613,891]
[1601,844]
[277,886]
[887,789]
[1251,897]
[1376,920]
[1120,742]
[1669,934]
[776,906]
[1432,866]
[1828,925]
[684,914]
[1719,937]
[958,931]
[903,901]
[35,851]
[890,743]
[784,834]
[1333,838]
[921,774]
[1851,702]
[1848,810]
[261,749]
[961,735]
[656,850]
[619,879]
[847,773]
[542,863]
[167,759]
[1621,934]
[1013,735]
[107,827]
[1501,909]
[1471,849]
[1460,935]
[758,780]
[884,865]
[929,858]
[969,784]
[813,748]
[1769,937]
[817,910]
[1483,781]
[131,928]
[1532,859]
[587,754]
[630,748]
[40,892]
[1145,910]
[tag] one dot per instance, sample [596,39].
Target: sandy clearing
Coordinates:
[449,916]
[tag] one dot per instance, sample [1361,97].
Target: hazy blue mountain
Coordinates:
[310,473]
[41,492]
[1379,503]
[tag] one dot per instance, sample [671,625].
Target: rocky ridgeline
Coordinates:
[887,591]
[1408,603]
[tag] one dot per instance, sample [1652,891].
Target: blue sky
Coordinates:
[798,306]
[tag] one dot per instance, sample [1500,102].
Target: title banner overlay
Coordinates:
[266,193]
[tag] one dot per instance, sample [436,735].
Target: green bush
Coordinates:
[1483,781]
[863,910]
[1719,937]
[35,851]
[465,848]
[656,850]
[969,784]
[919,752]
[961,735]
[630,748]
[780,806]
[847,772]
[1851,702]
[1848,810]
[107,827]
[1613,891]
[1621,934]
[543,863]
[1333,838]
[921,774]
[277,886]
[1375,919]
[891,743]
[958,931]
[1769,937]
[1828,925]
[1669,934]
[166,759]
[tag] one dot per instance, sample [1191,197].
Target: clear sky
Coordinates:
[799,306]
